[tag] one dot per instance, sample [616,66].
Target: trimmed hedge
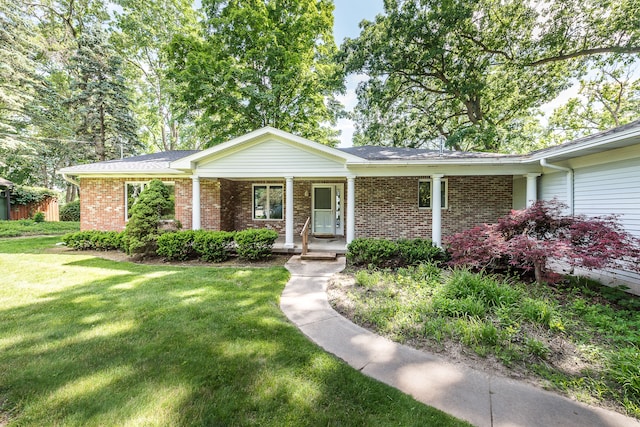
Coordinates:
[383,253]
[95,240]
[213,246]
[210,246]
[176,246]
[216,246]
[255,244]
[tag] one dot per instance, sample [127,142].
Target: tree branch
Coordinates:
[584,52]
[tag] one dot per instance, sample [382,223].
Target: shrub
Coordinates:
[70,211]
[176,246]
[214,246]
[526,239]
[374,252]
[142,230]
[255,244]
[38,217]
[95,240]
[383,253]
[419,251]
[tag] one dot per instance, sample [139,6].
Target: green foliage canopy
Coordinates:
[259,63]
[474,72]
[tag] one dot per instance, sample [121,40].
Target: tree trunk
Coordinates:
[538,267]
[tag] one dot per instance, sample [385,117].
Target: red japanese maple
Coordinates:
[527,239]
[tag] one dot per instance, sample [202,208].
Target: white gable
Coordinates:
[271,157]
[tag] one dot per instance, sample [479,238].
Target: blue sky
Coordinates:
[347,15]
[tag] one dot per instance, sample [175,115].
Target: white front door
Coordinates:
[323,208]
[327,209]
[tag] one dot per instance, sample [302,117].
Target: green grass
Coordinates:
[28,227]
[90,342]
[533,328]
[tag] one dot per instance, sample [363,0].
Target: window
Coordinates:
[267,201]
[133,190]
[425,190]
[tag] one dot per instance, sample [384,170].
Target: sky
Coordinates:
[347,15]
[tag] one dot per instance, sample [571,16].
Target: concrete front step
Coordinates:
[319,256]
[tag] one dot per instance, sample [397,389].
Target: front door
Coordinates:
[327,209]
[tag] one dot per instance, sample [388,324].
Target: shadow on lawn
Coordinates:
[179,346]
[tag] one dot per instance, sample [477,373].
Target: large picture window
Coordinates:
[133,190]
[425,190]
[267,201]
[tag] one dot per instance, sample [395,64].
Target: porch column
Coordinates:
[351,208]
[195,203]
[288,237]
[436,210]
[532,188]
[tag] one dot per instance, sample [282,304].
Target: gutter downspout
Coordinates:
[70,180]
[569,171]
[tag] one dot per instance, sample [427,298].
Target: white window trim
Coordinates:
[445,181]
[253,201]
[144,184]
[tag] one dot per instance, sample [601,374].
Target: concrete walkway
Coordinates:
[482,399]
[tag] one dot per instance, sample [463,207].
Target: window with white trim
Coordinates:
[267,201]
[425,190]
[133,190]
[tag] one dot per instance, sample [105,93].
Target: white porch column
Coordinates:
[351,208]
[288,237]
[195,203]
[436,210]
[532,188]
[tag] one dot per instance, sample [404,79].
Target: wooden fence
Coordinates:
[48,206]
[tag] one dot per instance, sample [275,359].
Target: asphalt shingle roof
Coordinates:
[145,162]
[371,152]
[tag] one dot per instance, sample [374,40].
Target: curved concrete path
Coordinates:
[482,399]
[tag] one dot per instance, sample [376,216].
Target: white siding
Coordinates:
[611,188]
[553,185]
[272,158]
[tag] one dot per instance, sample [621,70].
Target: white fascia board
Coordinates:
[258,136]
[169,173]
[413,169]
[240,176]
[592,143]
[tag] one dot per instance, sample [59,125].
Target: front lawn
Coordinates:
[577,337]
[28,227]
[87,341]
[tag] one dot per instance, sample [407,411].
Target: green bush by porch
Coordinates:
[383,253]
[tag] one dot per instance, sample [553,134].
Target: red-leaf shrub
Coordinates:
[528,238]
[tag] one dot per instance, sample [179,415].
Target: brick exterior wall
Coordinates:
[387,207]
[227,205]
[102,202]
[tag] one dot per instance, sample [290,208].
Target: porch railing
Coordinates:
[305,236]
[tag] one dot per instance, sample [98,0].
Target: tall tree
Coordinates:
[260,63]
[100,98]
[611,98]
[18,49]
[143,30]
[473,71]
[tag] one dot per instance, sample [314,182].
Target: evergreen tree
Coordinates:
[101,98]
